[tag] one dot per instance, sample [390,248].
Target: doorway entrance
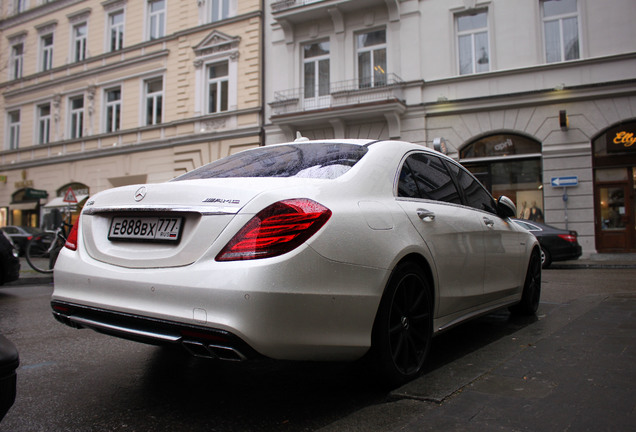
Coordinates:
[614,188]
[615,208]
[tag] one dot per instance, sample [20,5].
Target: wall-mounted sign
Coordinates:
[622,138]
[565,181]
[30,193]
[500,145]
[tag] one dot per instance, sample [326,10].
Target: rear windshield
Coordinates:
[309,160]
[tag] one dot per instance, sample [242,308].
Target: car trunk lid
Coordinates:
[161,225]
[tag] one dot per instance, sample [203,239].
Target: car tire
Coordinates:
[403,327]
[546,258]
[531,288]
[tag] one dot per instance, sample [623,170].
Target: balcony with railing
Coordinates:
[342,94]
[296,11]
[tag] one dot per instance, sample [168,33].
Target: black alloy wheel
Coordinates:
[404,325]
[531,289]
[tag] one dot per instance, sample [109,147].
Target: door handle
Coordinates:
[426,215]
[489,222]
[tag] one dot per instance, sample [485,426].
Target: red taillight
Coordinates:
[71,240]
[278,229]
[568,237]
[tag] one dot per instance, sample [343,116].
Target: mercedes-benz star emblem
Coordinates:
[140,194]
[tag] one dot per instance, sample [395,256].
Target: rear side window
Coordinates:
[309,160]
[476,195]
[425,176]
[528,226]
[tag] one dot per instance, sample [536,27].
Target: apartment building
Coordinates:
[536,97]
[104,93]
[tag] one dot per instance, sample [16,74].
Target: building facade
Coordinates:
[537,98]
[104,93]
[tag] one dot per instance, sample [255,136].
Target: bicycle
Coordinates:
[42,250]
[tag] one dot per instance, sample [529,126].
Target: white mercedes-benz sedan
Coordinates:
[310,250]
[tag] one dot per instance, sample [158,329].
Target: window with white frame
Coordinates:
[44,123]
[115,30]
[46,52]
[13,119]
[154,100]
[217,10]
[156,19]
[76,117]
[17,60]
[371,50]
[316,70]
[217,87]
[20,6]
[79,42]
[472,42]
[560,30]
[112,108]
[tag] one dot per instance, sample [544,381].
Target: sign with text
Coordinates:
[565,181]
[622,138]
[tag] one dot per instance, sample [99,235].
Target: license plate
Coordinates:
[163,229]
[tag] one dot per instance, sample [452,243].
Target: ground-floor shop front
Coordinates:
[40,194]
[615,187]
[568,164]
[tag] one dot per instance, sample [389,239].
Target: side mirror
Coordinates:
[506,208]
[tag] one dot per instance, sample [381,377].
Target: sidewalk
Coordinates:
[599,260]
[28,276]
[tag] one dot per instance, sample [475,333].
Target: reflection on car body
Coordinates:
[311,250]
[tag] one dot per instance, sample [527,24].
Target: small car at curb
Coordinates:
[9,262]
[556,244]
[20,236]
[310,250]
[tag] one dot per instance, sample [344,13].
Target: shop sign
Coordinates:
[23,184]
[622,138]
[30,193]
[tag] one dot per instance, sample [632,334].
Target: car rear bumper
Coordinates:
[564,253]
[11,270]
[299,307]
[199,340]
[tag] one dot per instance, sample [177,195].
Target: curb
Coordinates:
[608,266]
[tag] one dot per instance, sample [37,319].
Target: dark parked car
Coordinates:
[20,235]
[9,361]
[556,244]
[9,262]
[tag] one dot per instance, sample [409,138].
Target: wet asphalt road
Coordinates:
[79,380]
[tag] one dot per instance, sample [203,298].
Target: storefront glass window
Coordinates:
[519,178]
[613,210]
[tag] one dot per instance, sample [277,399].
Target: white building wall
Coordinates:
[520,93]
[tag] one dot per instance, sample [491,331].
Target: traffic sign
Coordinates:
[69,196]
[565,181]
